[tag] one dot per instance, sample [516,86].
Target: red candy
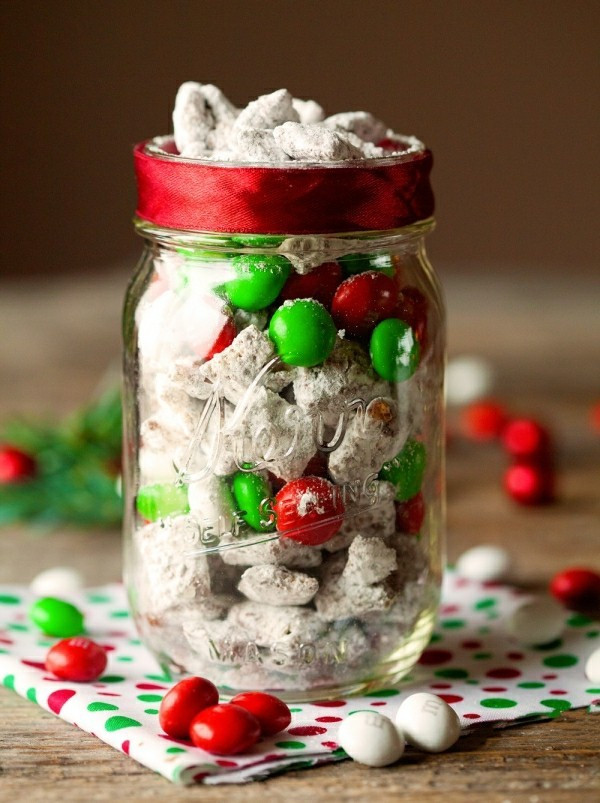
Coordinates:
[362,301]
[412,308]
[526,439]
[272,714]
[79,659]
[183,702]
[309,510]
[15,465]
[577,589]
[320,284]
[410,515]
[225,338]
[529,484]
[224,729]
[483,421]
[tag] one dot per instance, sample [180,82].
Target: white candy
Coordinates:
[428,722]
[59,581]
[592,667]
[371,739]
[468,378]
[484,563]
[538,621]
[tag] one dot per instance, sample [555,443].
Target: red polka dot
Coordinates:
[378,703]
[223,762]
[34,664]
[549,677]
[307,730]
[108,694]
[515,656]
[273,757]
[149,686]
[558,691]
[491,584]
[99,685]
[6,641]
[331,745]
[503,673]
[108,647]
[493,688]
[117,634]
[200,776]
[440,685]
[125,747]
[53,680]
[328,719]
[449,609]
[451,698]
[472,716]
[331,703]
[58,698]
[471,645]
[461,582]
[435,657]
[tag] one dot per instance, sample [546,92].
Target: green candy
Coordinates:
[249,491]
[260,279]
[162,499]
[303,332]
[406,470]
[55,617]
[359,263]
[394,350]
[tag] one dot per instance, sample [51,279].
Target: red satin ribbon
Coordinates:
[199,196]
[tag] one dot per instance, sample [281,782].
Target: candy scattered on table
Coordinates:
[273,714]
[537,621]
[56,617]
[428,722]
[483,420]
[577,589]
[592,667]
[484,563]
[57,581]
[468,379]
[225,729]
[371,738]
[15,465]
[79,659]
[183,702]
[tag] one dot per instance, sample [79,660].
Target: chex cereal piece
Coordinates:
[309,111]
[279,551]
[378,520]
[258,145]
[276,585]
[192,117]
[267,111]
[266,624]
[315,143]
[369,561]
[363,124]
[372,437]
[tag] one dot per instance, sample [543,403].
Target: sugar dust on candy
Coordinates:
[371,738]
[428,722]
[303,332]
[484,563]
[56,582]
[538,621]
[394,350]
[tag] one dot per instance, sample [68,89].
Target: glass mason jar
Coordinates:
[284,439]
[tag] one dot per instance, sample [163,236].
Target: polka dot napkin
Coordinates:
[470,663]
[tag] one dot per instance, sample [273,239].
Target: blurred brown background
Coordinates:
[504,92]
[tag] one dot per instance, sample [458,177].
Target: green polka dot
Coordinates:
[557,705]
[472,681]
[150,698]
[166,678]
[434,638]
[17,626]
[295,710]
[339,751]
[456,674]
[9,682]
[531,685]
[119,614]
[361,711]
[290,745]
[3,651]
[102,707]
[111,679]
[560,661]
[32,695]
[98,598]
[44,643]
[592,691]
[124,658]
[497,702]
[9,599]
[118,722]
[592,634]
[549,645]
[453,624]
[383,693]
[481,656]
[150,710]
[484,630]
[135,641]
[483,604]
[176,750]
[579,620]
[492,615]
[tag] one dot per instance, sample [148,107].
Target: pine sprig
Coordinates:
[77,465]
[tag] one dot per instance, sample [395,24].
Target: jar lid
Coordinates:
[285,198]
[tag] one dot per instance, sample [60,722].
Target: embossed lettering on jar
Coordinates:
[271,453]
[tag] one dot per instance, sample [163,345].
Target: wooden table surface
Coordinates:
[542,334]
